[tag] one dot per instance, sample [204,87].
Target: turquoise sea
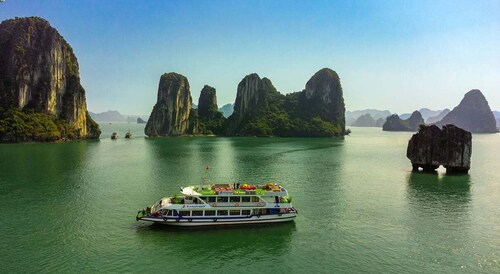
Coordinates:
[70,207]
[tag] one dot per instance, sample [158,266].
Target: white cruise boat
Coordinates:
[222,204]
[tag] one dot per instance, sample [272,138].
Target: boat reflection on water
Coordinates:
[219,244]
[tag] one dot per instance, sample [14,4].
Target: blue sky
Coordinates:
[396,55]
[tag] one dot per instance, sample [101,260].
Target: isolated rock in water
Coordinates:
[438,117]
[394,123]
[431,147]
[207,103]
[39,74]
[170,115]
[140,120]
[472,114]
[364,120]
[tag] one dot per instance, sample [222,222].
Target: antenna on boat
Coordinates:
[204,179]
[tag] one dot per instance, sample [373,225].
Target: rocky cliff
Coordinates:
[252,98]
[472,114]
[324,97]
[431,147]
[172,111]
[210,120]
[317,111]
[207,103]
[394,123]
[39,74]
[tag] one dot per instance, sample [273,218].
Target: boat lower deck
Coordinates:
[218,220]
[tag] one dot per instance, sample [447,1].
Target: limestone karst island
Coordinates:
[41,98]
[259,109]
[249,136]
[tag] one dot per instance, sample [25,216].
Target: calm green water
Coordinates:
[71,207]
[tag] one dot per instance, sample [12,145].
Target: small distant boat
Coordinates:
[114,136]
[128,135]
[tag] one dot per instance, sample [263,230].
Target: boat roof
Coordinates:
[270,189]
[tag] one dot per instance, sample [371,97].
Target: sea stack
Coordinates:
[431,147]
[172,111]
[39,74]
[472,114]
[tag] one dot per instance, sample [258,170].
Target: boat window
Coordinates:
[234,212]
[222,199]
[197,213]
[170,213]
[203,198]
[185,213]
[212,199]
[221,212]
[255,199]
[245,199]
[245,212]
[209,212]
[234,199]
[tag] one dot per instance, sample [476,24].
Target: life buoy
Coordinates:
[177,220]
[237,204]
[213,205]
[259,204]
[258,215]
[190,220]
[279,214]
[215,219]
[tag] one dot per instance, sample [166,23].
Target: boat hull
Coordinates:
[217,221]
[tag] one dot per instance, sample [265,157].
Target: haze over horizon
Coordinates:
[393,55]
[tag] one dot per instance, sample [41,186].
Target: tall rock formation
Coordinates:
[431,147]
[394,123]
[472,114]
[39,73]
[172,111]
[252,98]
[324,97]
[317,111]
[211,121]
[207,103]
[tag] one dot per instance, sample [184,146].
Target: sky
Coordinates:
[395,55]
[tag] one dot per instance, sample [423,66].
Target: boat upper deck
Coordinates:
[270,189]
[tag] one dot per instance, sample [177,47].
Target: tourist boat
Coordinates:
[222,204]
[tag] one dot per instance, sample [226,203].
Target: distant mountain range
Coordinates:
[426,114]
[227,110]
[114,116]
[375,114]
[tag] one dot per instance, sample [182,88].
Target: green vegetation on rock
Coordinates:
[30,126]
